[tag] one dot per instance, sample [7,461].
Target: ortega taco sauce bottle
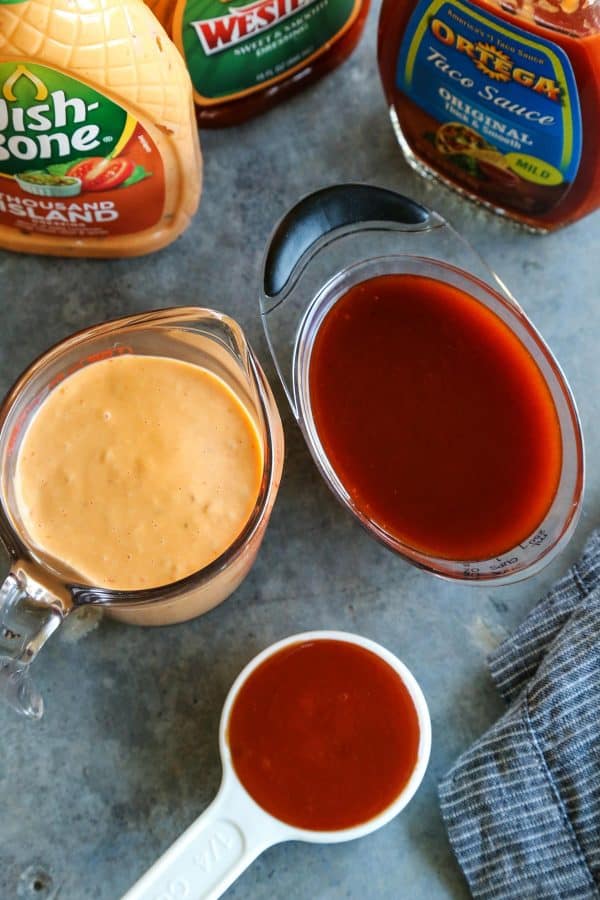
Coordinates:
[99,153]
[243,57]
[500,99]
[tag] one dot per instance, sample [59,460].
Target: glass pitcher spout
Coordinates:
[29,615]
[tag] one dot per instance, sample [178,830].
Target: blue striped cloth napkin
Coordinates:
[522,806]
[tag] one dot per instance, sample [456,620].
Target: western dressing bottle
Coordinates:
[245,57]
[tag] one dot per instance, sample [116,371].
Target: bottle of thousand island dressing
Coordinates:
[500,99]
[246,55]
[99,152]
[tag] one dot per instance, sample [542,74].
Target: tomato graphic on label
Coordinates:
[99,174]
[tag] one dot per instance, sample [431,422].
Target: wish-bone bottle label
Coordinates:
[500,107]
[72,162]
[236,47]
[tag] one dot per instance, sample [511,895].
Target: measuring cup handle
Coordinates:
[212,852]
[330,209]
[29,614]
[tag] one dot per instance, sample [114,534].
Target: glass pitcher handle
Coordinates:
[26,623]
[18,690]
[336,208]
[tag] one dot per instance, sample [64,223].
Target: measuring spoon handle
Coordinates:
[207,858]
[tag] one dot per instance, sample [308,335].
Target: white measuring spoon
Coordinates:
[234,830]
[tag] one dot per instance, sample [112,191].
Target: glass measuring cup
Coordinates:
[39,592]
[344,235]
[207,858]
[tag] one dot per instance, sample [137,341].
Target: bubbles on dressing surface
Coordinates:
[149,456]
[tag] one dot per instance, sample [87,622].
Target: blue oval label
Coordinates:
[504,101]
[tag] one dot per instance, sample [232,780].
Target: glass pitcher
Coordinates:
[38,592]
[343,235]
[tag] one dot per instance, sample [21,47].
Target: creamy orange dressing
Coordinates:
[137,471]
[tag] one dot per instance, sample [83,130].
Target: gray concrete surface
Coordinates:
[126,756]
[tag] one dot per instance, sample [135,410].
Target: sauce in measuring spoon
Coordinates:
[435,417]
[137,471]
[324,735]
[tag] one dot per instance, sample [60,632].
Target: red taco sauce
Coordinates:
[499,99]
[324,735]
[435,417]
